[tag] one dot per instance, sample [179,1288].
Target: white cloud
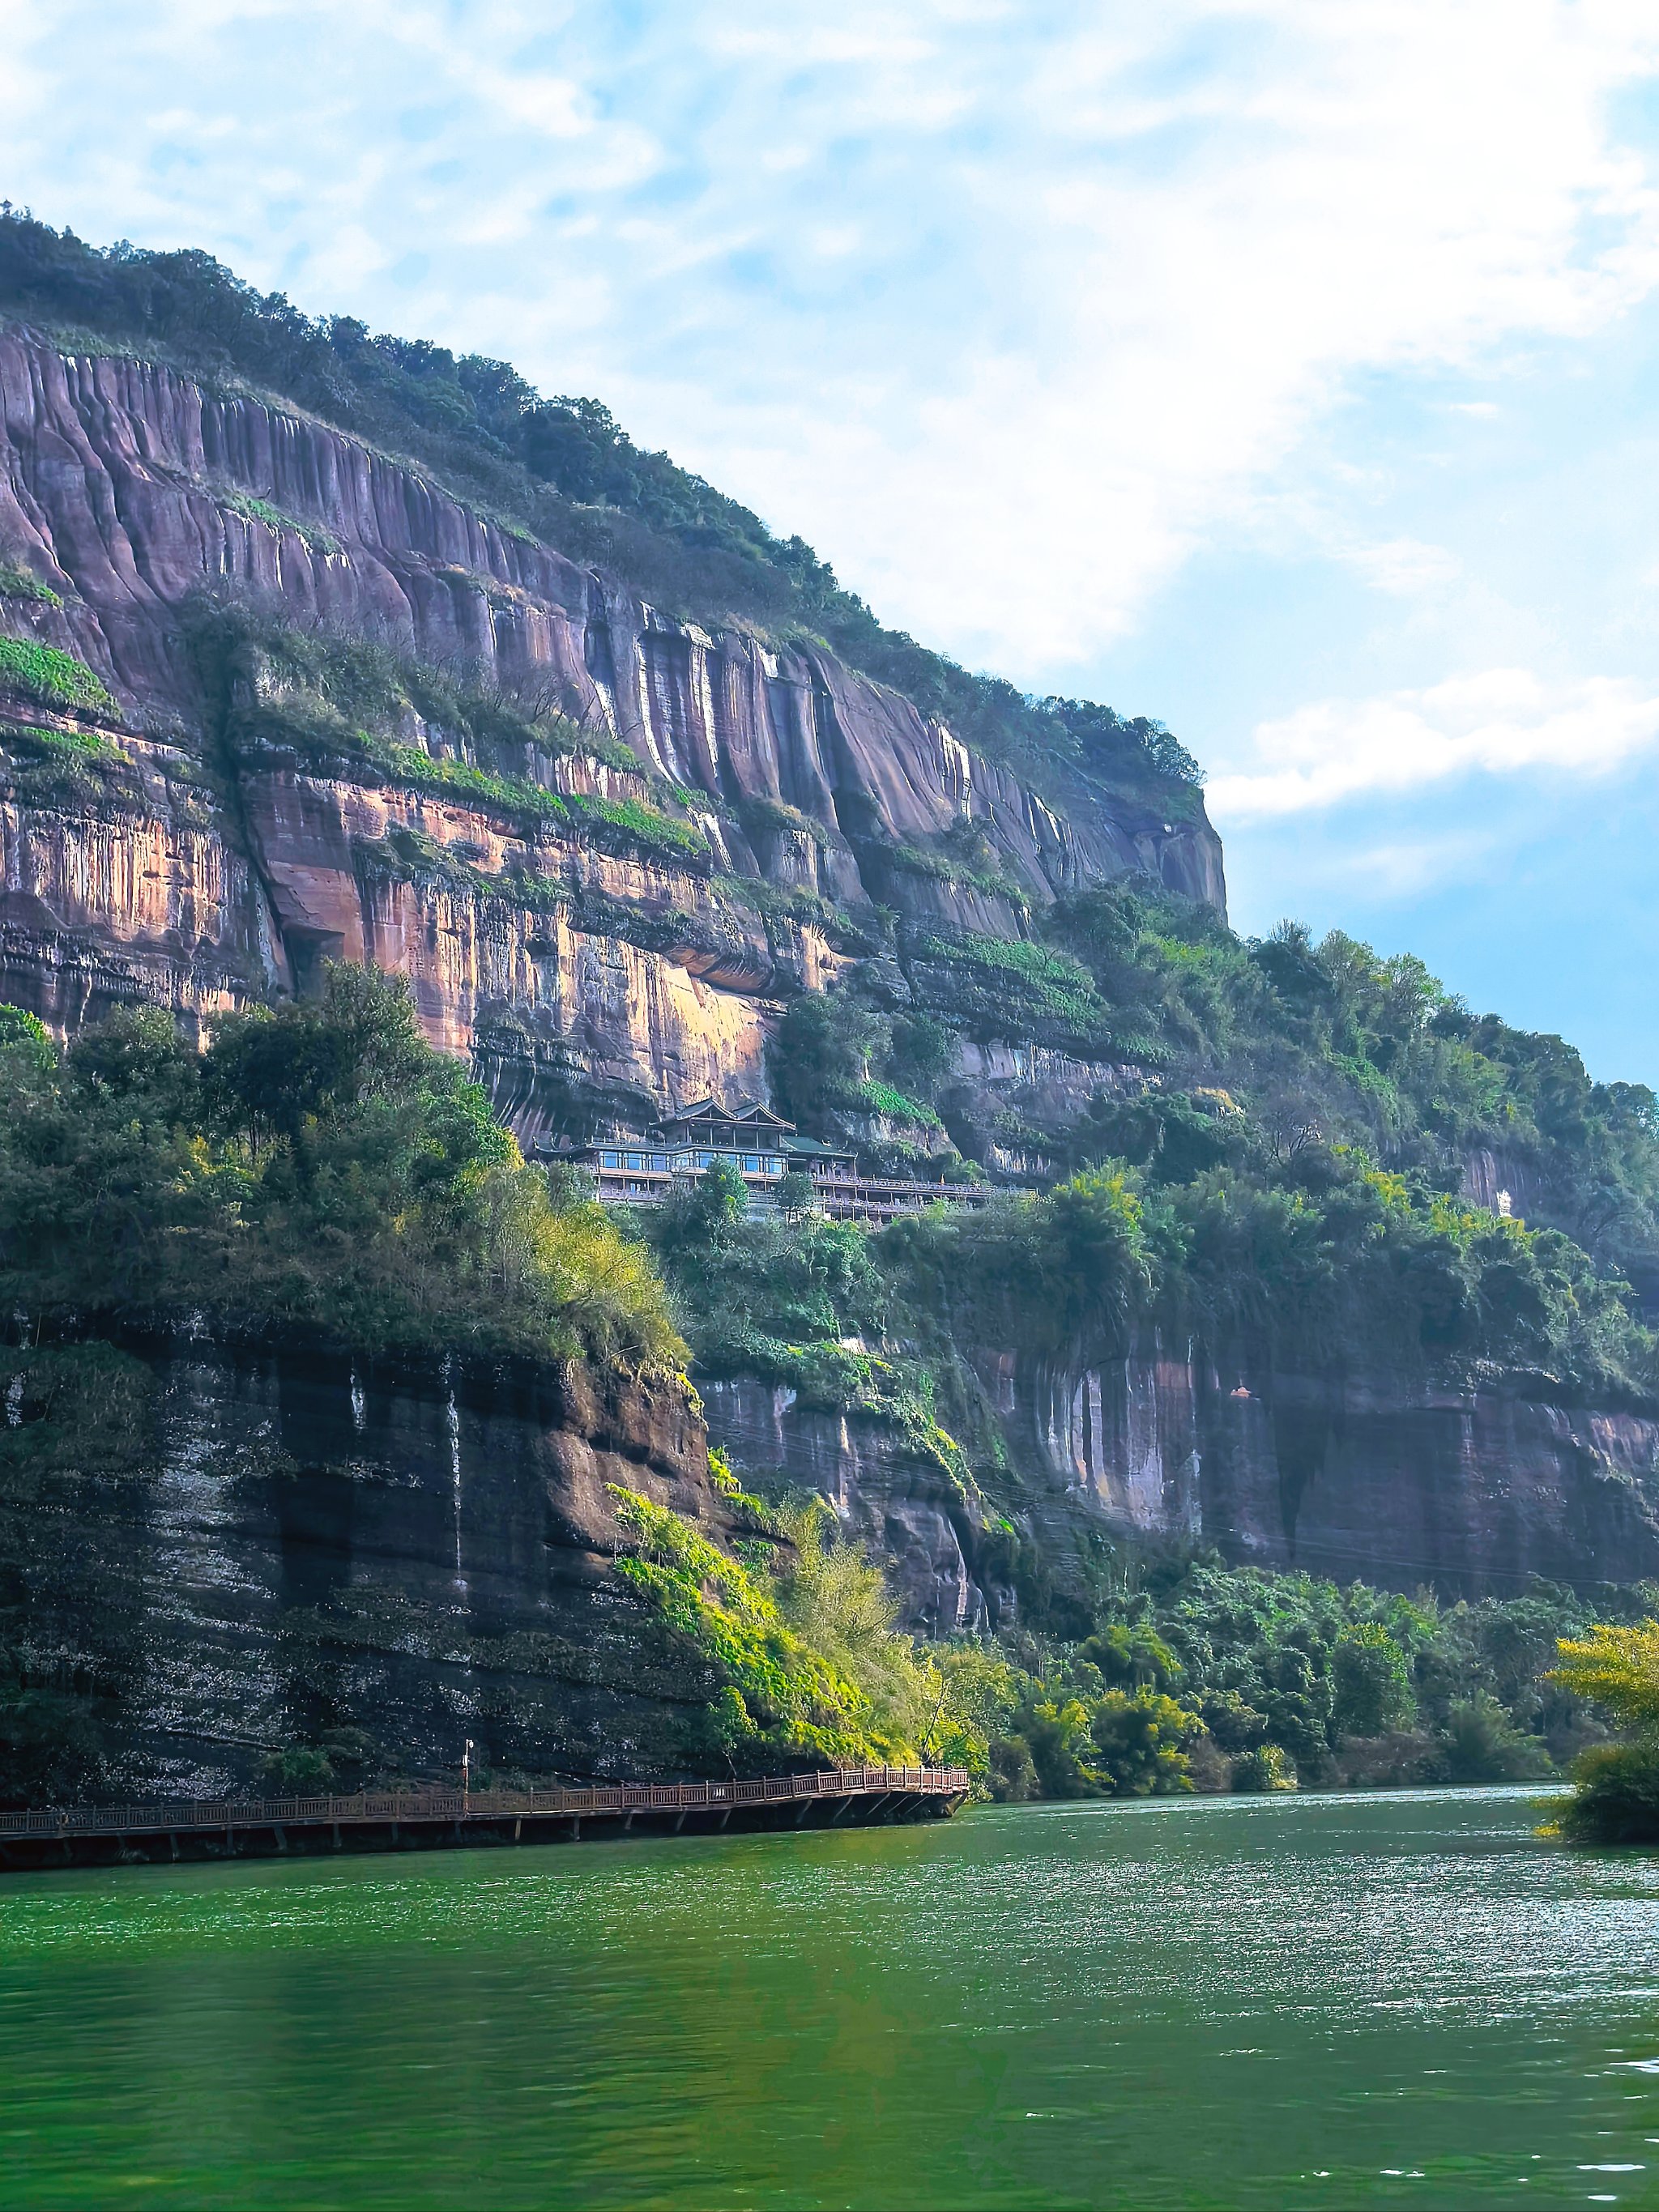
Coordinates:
[1500,722]
[1008,308]
[1403,567]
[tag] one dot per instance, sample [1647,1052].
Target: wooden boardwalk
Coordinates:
[104,1835]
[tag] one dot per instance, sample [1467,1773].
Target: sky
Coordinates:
[1280,369]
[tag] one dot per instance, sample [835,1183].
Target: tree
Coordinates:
[1371,1681]
[1618,1668]
[27,1033]
[1135,1655]
[1140,1741]
[822,1053]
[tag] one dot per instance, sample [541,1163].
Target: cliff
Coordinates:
[610,847]
[817,800]
[1373,1473]
[238,1548]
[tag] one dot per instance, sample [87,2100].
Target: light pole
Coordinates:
[466,1771]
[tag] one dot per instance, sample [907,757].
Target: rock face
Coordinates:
[1364,1475]
[1368,1475]
[299,1544]
[125,487]
[579,979]
[906,1510]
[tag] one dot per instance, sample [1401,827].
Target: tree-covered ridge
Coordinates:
[1271,1050]
[319,1171]
[562,468]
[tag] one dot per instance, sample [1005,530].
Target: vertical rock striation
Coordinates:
[125,487]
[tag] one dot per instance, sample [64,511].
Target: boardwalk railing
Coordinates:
[375,1808]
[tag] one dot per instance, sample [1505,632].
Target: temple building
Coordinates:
[640,1168]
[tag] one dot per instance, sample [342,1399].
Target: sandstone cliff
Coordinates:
[825,818]
[283,1543]
[1374,1475]
[125,487]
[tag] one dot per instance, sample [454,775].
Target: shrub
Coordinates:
[18,582]
[1267,1767]
[1615,1794]
[58,678]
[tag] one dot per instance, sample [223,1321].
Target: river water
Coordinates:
[1273,2003]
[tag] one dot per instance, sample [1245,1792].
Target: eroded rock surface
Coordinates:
[419,1551]
[125,487]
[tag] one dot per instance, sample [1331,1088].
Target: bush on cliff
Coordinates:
[318,1169]
[799,1642]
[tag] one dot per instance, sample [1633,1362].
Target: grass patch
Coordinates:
[631,825]
[43,672]
[17,583]
[527,803]
[882,1098]
[1009,987]
[278,519]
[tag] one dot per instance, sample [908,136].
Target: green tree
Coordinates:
[1372,1681]
[822,1053]
[1139,1741]
[27,1034]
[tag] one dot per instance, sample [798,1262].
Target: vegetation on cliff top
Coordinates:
[562,467]
[319,1170]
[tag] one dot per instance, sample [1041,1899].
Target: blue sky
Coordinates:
[1278,368]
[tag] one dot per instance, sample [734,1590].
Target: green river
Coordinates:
[1226,2002]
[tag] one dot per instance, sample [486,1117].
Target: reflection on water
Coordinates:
[1243,2001]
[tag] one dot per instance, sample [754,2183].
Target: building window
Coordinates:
[610,1159]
